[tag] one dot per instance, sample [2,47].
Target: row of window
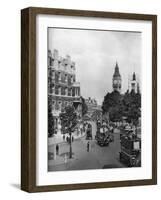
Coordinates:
[57,90]
[61,64]
[59,105]
[58,76]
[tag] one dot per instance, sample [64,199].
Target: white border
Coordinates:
[43,177]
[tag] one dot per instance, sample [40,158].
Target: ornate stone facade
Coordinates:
[93,108]
[63,89]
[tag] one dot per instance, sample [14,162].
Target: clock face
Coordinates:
[115,81]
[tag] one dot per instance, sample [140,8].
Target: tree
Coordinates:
[132,107]
[50,121]
[112,104]
[69,121]
[127,105]
[84,107]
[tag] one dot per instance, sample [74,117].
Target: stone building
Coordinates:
[116,81]
[94,110]
[134,84]
[63,90]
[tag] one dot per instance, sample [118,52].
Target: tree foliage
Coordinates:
[113,105]
[50,121]
[118,106]
[84,107]
[132,106]
[68,119]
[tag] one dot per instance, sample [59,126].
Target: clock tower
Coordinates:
[116,79]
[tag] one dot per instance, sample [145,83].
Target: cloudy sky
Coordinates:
[95,54]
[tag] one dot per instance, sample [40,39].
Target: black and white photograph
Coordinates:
[94,99]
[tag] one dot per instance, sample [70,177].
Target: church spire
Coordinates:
[134,77]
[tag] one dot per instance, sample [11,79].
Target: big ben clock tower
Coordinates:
[116,79]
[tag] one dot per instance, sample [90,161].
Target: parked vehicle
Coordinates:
[130,153]
[103,139]
[89,132]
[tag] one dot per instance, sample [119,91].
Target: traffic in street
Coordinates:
[86,153]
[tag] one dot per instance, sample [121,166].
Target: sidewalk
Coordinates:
[62,159]
[62,162]
[58,138]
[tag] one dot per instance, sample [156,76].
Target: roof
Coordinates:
[134,77]
[116,73]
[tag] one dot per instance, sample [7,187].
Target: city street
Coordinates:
[97,158]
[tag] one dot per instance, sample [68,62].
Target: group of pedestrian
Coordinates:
[87,126]
[104,127]
[70,139]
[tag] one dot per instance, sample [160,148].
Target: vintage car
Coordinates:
[103,139]
[89,132]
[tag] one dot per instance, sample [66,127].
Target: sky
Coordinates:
[95,54]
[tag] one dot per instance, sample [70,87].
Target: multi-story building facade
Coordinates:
[116,81]
[63,90]
[94,110]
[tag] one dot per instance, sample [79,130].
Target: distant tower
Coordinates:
[116,79]
[134,84]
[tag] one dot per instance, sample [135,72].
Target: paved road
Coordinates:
[97,157]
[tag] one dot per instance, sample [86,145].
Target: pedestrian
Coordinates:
[72,138]
[63,137]
[88,146]
[57,149]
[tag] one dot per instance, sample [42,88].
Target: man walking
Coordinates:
[57,149]
[88,146]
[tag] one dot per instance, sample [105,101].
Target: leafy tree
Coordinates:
[69,122]
[115,113]
[96,115]
[50,121]
[132,107]
[112,104]
[84,107]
